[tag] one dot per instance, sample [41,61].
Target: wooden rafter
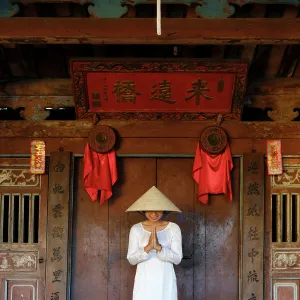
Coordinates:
[128,31]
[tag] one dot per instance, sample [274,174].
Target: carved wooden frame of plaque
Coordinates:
[79,67]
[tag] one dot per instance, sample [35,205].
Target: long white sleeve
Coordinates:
[174,253]
[135,254]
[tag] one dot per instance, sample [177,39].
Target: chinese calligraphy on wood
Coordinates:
[58,213]
[253,226]
[193,90]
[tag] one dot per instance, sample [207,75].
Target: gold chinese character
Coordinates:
[162,92]
[125,91]
[198,89]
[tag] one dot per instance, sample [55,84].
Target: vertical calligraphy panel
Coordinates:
[253,226]
[58,230]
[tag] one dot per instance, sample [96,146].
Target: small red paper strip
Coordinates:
[38,157]
[274,157]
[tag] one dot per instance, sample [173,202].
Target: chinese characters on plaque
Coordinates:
[186,92]
[253,224]
[158,89]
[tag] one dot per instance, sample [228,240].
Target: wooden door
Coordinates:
[210,267]
[23,200]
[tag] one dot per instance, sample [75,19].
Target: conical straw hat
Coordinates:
[153,200]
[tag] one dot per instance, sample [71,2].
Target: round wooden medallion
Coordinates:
[102,139]
[213,140]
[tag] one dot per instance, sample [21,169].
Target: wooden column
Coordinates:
[253,227]
[58,226]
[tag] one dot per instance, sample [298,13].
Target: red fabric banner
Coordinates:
[212,173]
[100,173]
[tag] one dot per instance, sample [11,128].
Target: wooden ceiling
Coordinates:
[31,71]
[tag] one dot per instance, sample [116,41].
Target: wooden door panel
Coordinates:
[90,244]
[23,218]
[210,266]
[286,289]
[175,180]
[22,289]
[100,239]
[136,176]
[222,243]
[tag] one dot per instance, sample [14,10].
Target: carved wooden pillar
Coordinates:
[253,227]
[58,226]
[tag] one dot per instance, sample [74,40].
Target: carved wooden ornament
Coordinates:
[213,140]
[102,139]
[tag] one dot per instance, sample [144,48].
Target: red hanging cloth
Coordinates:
[99,174]
[212,173]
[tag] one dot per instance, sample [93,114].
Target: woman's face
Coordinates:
[154,216]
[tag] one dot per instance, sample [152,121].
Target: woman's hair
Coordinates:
[165,213]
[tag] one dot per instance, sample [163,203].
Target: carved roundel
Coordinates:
[102,139]
[213,140]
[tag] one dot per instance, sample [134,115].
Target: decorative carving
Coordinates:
[286,260]
[289,178]
[56,276]
[253,188]
[59,167]
[213,140]
[57,210]
[55,296]
[102,139]
[18,178]
[79,70]
[253,254]
[253,211]
[32,108]
[58,232]
[58,189]
[18,261]
[56,254]
[280,108]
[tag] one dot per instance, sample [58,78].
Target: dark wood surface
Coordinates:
[127,31]
[148,129]
[90,244]
[100,267]
[144,146]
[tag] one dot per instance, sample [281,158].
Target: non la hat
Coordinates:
[153,200]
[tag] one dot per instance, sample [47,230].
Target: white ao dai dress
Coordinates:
[155,277]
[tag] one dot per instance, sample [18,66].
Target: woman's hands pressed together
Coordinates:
[153,242]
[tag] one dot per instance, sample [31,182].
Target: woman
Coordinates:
[154,246]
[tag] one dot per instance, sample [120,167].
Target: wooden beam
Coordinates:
[33,107]
[282,106]
[39,87]
[276,86]
[149,146]
[148,129]
[63,87]
[127,31]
